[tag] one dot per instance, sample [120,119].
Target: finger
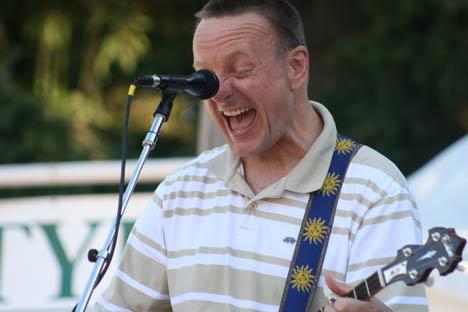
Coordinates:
[345,304]
[336,287]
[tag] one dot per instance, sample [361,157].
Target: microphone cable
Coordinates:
[93,253]
[123,153]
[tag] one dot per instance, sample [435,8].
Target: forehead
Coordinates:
[249,31]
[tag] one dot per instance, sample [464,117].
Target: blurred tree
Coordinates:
[83,55]
[27,132]
[394,73]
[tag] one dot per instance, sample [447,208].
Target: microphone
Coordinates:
[202,84]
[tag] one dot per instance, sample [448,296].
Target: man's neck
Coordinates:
[262,170]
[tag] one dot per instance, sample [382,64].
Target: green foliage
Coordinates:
[394,73]
[397,78]
[70,75]
[27,132]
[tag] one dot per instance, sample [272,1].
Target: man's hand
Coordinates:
[348,304]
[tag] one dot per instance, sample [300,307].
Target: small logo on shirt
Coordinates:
[289,240]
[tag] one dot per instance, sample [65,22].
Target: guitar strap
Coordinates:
[312,241]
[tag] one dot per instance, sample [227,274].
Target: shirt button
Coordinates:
[252,206]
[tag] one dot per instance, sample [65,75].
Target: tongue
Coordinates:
[242,121]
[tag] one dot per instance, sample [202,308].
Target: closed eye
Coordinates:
[242,72]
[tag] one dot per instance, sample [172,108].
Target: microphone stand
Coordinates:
[161,115]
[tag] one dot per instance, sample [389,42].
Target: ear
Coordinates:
[298,67]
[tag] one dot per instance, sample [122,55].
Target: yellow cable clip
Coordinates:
[131,90]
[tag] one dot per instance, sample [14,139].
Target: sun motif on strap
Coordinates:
[302,278]
[315,230]
[331,184]
[344,146]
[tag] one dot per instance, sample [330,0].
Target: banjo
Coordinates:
[414,263]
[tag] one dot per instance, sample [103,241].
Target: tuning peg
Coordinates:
[407,252]
[429,281]
[460,267]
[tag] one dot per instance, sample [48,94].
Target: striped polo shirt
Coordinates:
[206,242]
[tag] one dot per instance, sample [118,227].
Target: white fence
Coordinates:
[82,173]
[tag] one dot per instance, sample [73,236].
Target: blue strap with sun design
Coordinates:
[306,264]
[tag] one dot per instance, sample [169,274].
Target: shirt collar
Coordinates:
[306,177]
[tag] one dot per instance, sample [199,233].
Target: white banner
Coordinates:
[44,243]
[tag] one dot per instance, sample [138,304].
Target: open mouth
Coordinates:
[240,119]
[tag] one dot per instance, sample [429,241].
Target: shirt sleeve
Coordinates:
[140,282]
[391,221]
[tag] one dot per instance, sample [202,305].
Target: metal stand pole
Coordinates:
[160,116]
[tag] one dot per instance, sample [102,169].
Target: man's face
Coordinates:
[254,104]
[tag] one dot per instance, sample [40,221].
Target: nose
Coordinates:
[225,90]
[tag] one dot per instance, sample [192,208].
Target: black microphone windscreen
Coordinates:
[210,84]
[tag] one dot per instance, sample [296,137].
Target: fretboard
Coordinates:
[364,290]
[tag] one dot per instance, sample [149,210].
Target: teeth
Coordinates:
[236,112]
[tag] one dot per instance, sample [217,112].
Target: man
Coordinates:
[219,234]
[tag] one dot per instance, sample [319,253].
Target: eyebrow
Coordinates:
[237,54]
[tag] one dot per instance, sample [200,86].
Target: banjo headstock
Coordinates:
[413,264]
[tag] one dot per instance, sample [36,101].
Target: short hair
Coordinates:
[282,15]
